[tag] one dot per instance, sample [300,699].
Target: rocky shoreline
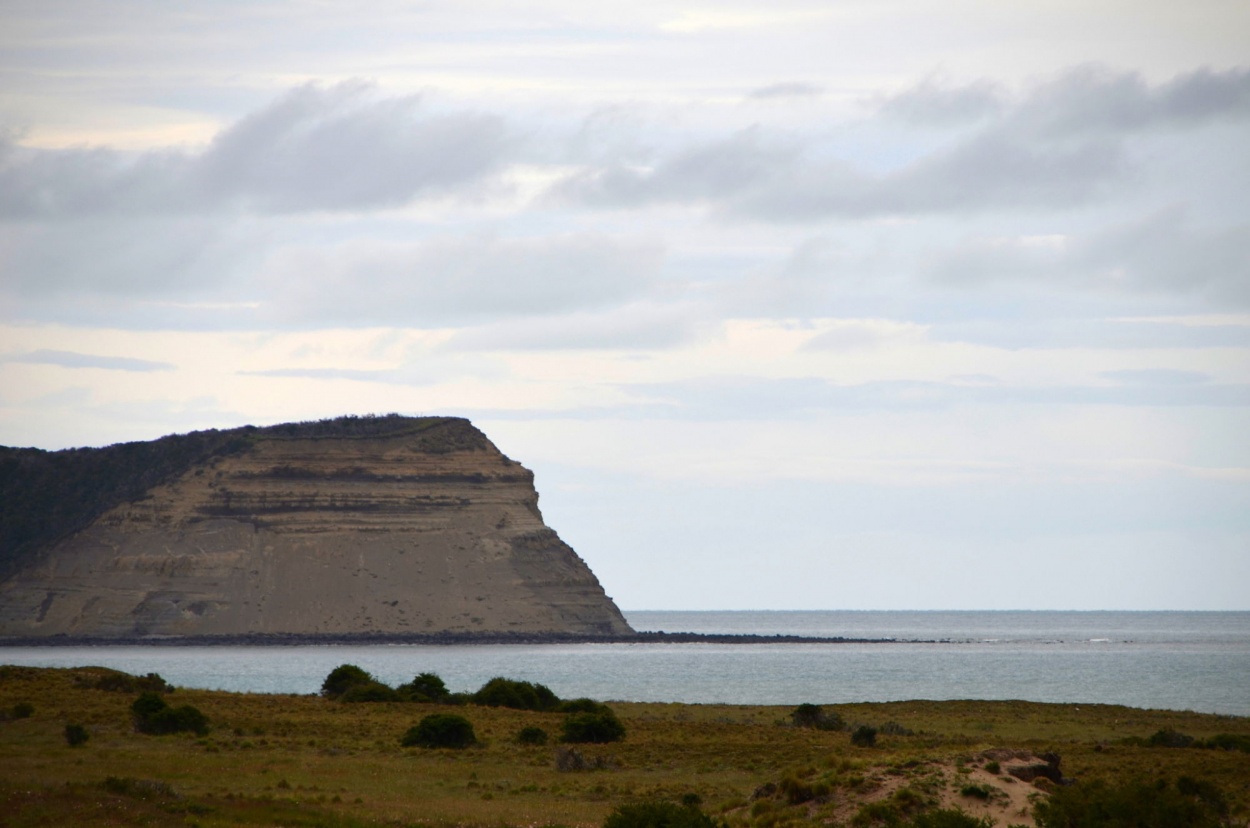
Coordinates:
[433,639]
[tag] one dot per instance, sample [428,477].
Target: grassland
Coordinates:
[305,760]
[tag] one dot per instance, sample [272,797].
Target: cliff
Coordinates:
[385,526]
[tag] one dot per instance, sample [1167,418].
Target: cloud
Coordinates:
[1095,98]
[636,326]
[72,359]
[1062,144]
[755,398]
[451,281]
[793,89]
[1159,253]
[931,103]
[1155,376]
[315,148]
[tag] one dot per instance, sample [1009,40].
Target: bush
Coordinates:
[22,710]
[154,717]
[426,687]
[582,706]
[597,728]
[1224,741]
[373,691]
[658,815]
[976,791]
[532,736]
[441,730]
[75,735]
[813,715]
[1143,805]
[864,736]
[1171,739]
[343,678]
[518,695]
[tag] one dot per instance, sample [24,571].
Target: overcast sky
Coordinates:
[867,305]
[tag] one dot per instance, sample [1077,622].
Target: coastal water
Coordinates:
[1175,660]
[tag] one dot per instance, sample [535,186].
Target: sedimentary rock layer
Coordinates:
[421,526]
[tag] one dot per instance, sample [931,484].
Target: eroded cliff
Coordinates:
[409,526]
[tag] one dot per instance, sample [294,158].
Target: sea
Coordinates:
[1197,661]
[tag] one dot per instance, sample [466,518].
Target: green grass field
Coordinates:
[308,761]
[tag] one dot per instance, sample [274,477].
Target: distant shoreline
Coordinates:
[438,639]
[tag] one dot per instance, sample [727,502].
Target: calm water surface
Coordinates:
[1174,660]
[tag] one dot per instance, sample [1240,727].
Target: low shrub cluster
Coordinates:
[440,730]
[75,735]
[118,682]
[596,728]
[815,716]
[1174,739]
[517,695]
[532,736]
[152,715]
[864,736]
[659,815]
[1186,804]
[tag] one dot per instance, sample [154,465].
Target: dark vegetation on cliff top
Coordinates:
[48,495]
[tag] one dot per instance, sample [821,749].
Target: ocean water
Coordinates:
[1173,660]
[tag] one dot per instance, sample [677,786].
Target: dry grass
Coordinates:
[303,760]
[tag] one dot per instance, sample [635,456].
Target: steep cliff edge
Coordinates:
[378,525]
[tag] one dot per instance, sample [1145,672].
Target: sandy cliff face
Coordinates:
[430,531]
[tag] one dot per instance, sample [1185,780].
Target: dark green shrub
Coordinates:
[426,687]
[597,728]
[976,791]
[440,730]
[532,736]
[582,706]
[147,705]
[950,818]
[806,715]
[993,767]
[374,691]
[154,717]
[343,678]
[1137,804]
[813,715]
[124,683]
[1171,739]
[23,710]
[658,815]
[864,736]
[518,695]
[75,735]
[1227,741]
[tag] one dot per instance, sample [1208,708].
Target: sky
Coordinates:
[788,305]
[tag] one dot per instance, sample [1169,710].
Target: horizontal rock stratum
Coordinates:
[385,526]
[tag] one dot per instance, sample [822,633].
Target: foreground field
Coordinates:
[305,760]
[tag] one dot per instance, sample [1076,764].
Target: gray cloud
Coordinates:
[72,359]
[747,398]
[1096,98]
[1155,376]
[315,148]
[794,89]
[936,104]
[457,280]
[1061,145]
[637,326]
[1068,332]
[1161,252]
